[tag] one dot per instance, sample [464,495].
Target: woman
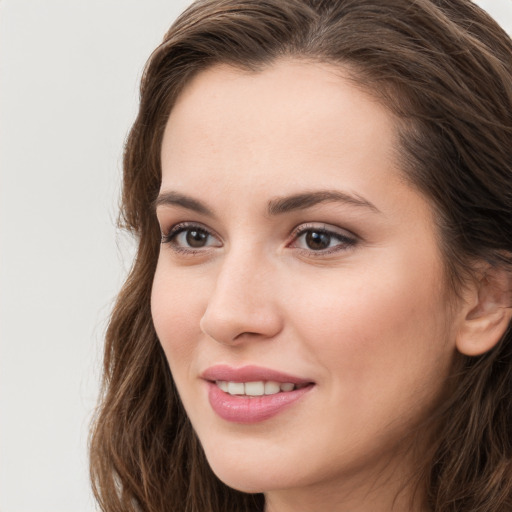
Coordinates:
[318,317]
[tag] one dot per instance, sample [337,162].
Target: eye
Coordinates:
[190,238]
[320,239]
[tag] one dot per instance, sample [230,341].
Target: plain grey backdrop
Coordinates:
[69,72]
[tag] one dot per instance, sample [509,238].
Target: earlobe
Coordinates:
[488,312]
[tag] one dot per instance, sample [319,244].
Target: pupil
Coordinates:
[196,238]
[317,241]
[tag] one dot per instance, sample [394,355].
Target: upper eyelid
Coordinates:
[328,228]
[188,225]
[296,230]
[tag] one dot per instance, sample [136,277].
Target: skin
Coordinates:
[367,321]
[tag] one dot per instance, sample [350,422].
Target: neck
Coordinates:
[384,489]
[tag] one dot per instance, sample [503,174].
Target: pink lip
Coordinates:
[242,409]
[249,374]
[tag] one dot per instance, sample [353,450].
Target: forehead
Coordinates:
[294,124]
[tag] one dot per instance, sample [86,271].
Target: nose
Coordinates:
[243,303]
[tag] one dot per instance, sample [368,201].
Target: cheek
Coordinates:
[381,337]
[176,306]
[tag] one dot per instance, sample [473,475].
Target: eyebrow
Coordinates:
[277,206]
[305,200]
[177,199]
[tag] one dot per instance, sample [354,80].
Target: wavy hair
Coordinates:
[444,68]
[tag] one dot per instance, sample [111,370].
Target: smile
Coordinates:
[252,394]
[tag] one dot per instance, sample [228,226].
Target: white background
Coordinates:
[69,72]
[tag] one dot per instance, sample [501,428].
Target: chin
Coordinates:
[250,477]
[243,483]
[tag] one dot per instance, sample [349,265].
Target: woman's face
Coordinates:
[294,254]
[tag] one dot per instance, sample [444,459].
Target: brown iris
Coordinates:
[316,240]
[196,238]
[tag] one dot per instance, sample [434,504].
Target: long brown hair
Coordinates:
[444,68]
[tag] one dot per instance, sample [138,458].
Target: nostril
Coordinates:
[247,334]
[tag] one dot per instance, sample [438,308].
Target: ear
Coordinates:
[487,311]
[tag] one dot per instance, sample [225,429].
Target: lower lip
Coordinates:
[242,409]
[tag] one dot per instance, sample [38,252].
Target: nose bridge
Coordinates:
[238,273]
[242,300]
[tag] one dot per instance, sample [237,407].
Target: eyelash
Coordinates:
[170,237]
[346,242]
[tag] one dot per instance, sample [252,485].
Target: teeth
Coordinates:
[223,385]
[271,388]
[257,388]
[236,388]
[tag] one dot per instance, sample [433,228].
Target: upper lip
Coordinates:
[249,373]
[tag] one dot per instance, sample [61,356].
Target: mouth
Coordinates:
[252,394]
